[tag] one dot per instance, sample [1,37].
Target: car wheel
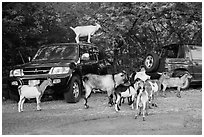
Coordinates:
[73,91]
[13,96]
[151,62]
[180,74]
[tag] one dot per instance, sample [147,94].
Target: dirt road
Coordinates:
[175,116]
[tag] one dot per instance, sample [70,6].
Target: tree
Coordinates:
[129,29]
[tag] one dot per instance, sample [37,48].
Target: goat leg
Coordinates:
[89,38]
[121,101]
[143,111]
[87,95]
[77,38]
[110,98]
[132,99]
[179,92]
[22,102]
[38,103]
[137,106]
[118,98]
[85,103]
[19,103]
[163,91]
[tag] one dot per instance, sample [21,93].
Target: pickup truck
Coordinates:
[177,59]
[64,63]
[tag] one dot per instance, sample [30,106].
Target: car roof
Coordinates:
[176,44]
[87,44]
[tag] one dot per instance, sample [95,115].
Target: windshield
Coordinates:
[57,52]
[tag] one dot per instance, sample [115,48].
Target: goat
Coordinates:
[142,75]
[133,78]
[142,101]
[26,91]
[104,83]
[129,91]
[82,31]
[167,81]
[152,87]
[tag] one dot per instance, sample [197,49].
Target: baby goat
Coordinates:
[167,81]
[82,31]
[26,91]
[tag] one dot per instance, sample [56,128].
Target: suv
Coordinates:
[64,63]
[178,60]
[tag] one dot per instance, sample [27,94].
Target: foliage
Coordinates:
[129,30]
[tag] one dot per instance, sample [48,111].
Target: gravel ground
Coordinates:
[173,116]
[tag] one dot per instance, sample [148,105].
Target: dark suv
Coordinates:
[178,60]
[64,63]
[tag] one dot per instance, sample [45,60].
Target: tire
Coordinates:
[151,62]
[180,74]
[73,91]
[13,96]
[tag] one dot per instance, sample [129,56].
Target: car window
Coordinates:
[196,52]
[170,51]
[91,50]
[93,56]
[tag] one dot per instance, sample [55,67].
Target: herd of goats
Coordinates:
[138,88]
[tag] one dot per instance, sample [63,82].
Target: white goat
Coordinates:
[142,102]
[142,75]
[82,31]
[167,81]
[26,91]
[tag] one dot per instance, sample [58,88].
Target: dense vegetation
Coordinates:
[129,30]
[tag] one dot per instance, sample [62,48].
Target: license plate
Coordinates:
[33,82]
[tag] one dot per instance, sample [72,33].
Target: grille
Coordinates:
[35,71]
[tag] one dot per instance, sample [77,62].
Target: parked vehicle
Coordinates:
[178,60]
[64,63]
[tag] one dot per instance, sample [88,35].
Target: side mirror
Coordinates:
[85,56]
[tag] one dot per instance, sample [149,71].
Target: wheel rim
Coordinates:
[149,62]
[75,89]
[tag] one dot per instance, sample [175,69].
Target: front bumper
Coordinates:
[60,82]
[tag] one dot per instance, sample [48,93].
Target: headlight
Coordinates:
[59,70]
[16,72]
[11,73]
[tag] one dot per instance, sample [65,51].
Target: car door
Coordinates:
[89,65]
[94,61]
[196,55]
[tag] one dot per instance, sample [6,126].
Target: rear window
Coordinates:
[170,51]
